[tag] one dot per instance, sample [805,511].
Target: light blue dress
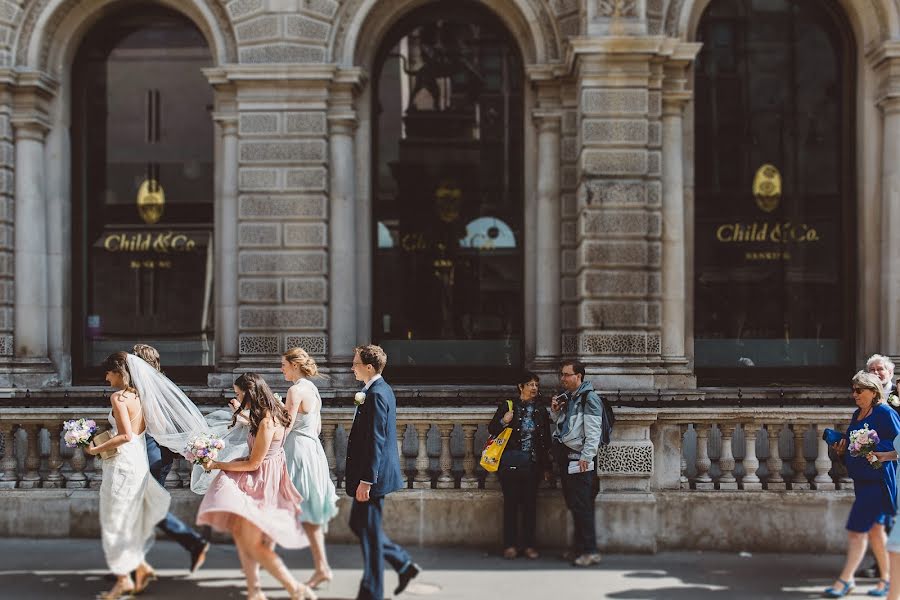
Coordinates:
[307,464]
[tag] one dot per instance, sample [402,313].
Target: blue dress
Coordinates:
[875,489]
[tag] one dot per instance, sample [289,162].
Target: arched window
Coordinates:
[447,197]
[774,201]
[142,191]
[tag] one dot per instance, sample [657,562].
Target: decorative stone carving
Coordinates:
[625,458]
[617,8]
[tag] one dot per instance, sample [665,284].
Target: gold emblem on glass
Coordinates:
[151,201]
[767,188]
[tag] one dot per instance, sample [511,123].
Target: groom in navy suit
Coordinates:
[373,472]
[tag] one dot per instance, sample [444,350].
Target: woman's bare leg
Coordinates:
[894,559]
[258,548]
[322,571]
[856,550]
[878,540]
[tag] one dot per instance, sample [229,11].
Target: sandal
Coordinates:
[880,593]
[510,553]
[256,594]
[834,592]
[319,580]
[142,580]
[532,553]
[119,590]
[302,592]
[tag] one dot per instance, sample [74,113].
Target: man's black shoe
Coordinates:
[198,555]
[406,576]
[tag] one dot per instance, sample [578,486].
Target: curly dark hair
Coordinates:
[261,402]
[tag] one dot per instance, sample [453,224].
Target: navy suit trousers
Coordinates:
[161,459]
[365,521]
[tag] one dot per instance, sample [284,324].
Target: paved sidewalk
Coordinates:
[62,569]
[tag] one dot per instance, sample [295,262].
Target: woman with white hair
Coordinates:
[874,485]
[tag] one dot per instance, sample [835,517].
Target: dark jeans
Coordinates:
[161,459]
[377,547]
[578,490]
[519,490]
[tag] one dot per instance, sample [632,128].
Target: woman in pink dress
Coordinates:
[253,498]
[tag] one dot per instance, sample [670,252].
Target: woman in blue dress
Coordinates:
[875,488]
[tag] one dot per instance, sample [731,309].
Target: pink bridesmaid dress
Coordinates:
[266,497]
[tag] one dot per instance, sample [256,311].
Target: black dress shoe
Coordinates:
[198,555]
[406,576]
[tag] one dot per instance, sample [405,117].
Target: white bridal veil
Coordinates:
[172,419]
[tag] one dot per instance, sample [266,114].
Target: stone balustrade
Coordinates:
[687,448]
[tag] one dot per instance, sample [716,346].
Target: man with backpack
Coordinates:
[577,425]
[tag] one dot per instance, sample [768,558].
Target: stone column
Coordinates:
[751,462]
[328,435]
[445,479]
[32,478]
[798,464]
[703,481]
[547,288]
[469,479]
[30,335]
[726,459]
[774,462]
[226,243]
[673,251]
[8,466]
[342,297]
[54,477]
[887,63]
[422,479]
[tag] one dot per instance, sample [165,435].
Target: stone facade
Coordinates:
[609,166]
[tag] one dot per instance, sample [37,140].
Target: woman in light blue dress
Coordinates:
[306,460]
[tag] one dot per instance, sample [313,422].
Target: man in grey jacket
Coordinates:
[576,418]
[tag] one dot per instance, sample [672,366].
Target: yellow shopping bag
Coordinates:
[493,449]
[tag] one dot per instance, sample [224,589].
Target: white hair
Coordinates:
[876,358]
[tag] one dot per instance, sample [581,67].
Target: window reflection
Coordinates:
[448,194]
[773,181]
[143,189]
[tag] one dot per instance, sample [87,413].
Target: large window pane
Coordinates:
[448,193]
[773,177]
[143,189]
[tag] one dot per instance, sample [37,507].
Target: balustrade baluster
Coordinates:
[75,479]
[751,462]
[8,467]
[446,479]
[185,468]
[54,477]
[94,472]
[422,480]
[798,464]
[774,463]
[726,460]
[469,479]
[404,462]
[173,480]
[329,430]
[703,481]
[32,478]
[683,480]
[822,480]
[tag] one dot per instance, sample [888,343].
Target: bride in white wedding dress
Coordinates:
[131,501]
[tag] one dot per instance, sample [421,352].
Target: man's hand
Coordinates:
[557,402]
[362,492]
[584,465]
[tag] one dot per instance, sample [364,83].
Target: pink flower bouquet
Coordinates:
[862,443]
[203,447]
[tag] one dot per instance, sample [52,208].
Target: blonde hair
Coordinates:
[869,381]
[298,357]
[148,353]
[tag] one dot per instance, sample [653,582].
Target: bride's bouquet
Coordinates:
[862,443]
[79,432]
[203,447]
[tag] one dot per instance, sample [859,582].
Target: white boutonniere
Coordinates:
[359,398]
[894,400]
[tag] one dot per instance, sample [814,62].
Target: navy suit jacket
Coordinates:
[372,444]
